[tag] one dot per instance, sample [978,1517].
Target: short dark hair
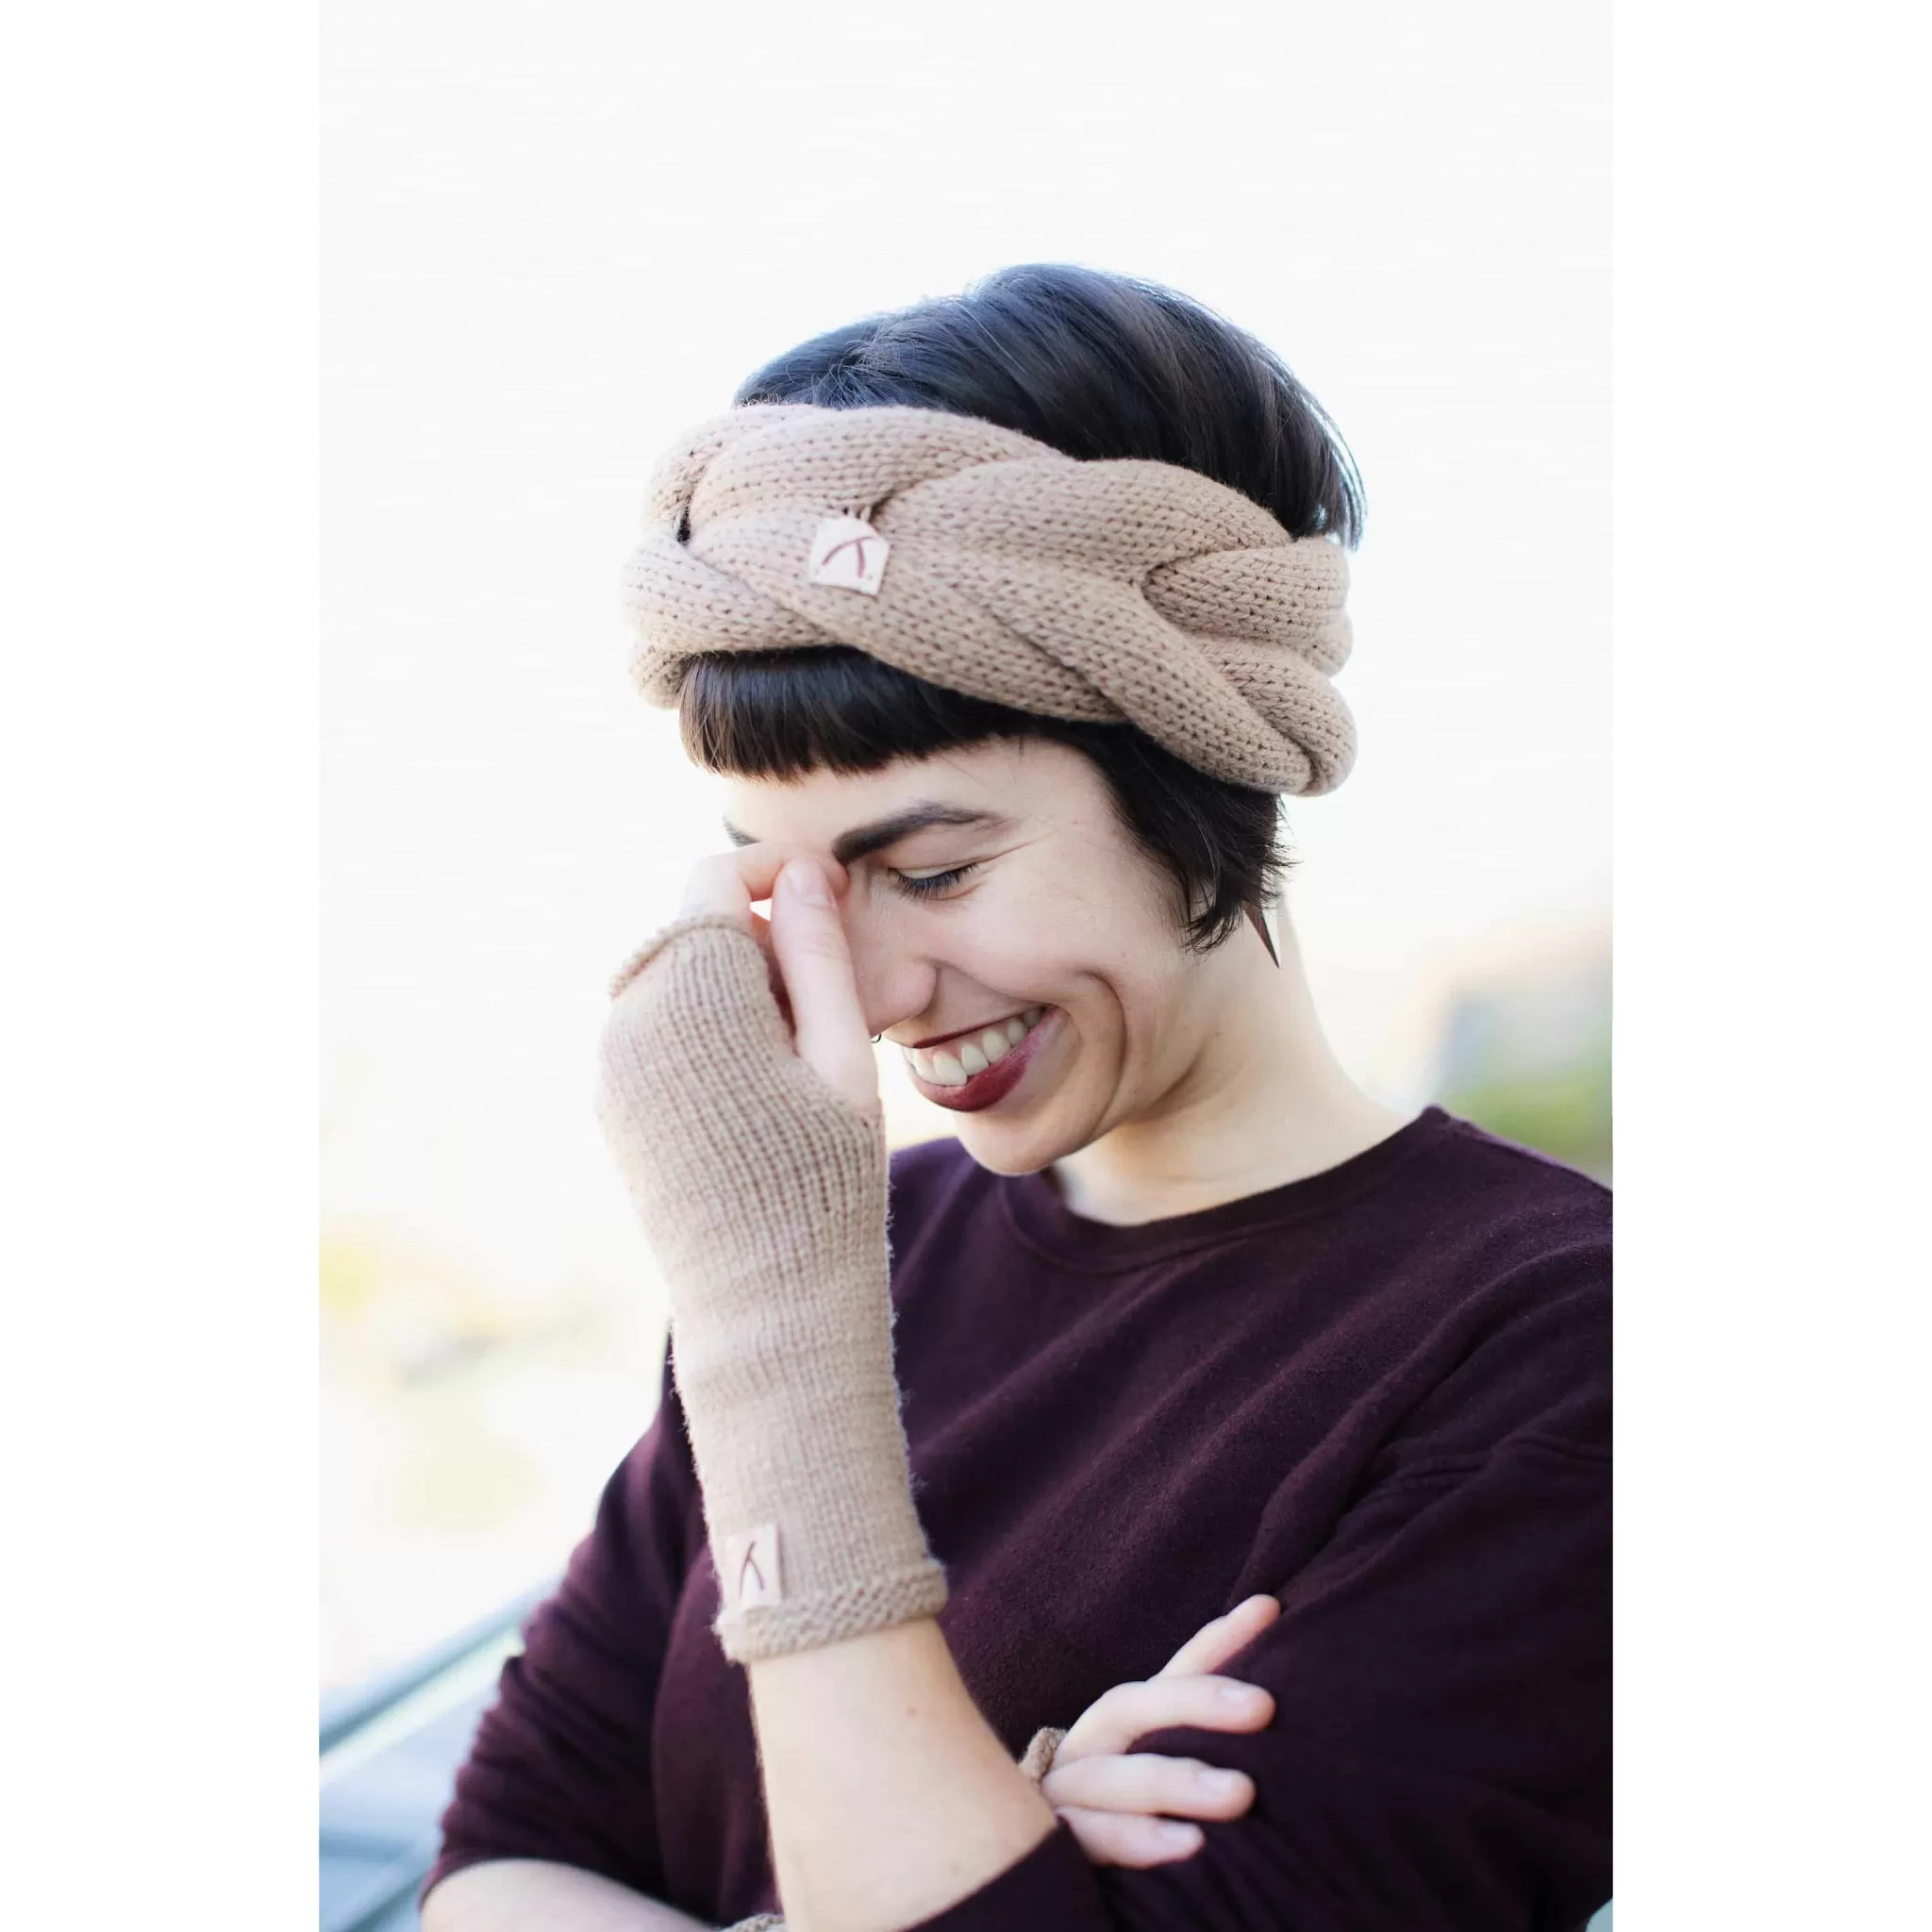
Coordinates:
[1098,366]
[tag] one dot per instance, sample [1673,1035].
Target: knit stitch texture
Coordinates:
[1107,591]
[763,1195]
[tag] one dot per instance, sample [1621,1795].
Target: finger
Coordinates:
[761,931]
[1151,1785]
[1214,1644]
[737,880]
[1112,1722]
[1116,1838]
[829,1024]
[734,883]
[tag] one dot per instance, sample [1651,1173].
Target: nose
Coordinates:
[895,978]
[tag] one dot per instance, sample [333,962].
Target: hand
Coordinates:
[806,953]
[1120,1803]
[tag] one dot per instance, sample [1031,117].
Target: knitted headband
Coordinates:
[989,563]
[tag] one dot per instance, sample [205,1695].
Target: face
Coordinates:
[1008,937]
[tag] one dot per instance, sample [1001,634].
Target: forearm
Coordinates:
[533,1895]
[759,1170]
[888,1796]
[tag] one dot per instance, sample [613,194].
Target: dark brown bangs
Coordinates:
[780,715]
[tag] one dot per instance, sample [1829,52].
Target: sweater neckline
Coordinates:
[1042,1219]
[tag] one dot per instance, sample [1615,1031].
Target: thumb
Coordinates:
[828,1026]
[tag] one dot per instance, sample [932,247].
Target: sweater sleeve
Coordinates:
[561,1766]
[1438,1753]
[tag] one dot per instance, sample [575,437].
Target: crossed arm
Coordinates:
[522,1895]
[1125,1807]
[874,1740]
[1478,1789]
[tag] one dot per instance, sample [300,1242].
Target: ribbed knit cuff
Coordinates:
[762,1630]
[1038,1759]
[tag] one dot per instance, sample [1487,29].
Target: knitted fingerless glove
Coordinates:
[763,1195]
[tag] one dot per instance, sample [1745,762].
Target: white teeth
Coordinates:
[955,1065]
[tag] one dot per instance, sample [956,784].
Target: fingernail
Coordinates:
[1179,1834]
[804,880]
[1237,1694]
[1220,1781]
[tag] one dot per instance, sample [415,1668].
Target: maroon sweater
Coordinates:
[1381,1393]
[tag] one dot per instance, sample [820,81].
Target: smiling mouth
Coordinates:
[963,1055]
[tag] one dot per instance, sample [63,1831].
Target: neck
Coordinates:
[1262,1102]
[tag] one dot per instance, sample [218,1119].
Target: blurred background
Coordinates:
[553,237]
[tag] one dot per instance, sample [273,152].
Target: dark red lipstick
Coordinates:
[988,1087]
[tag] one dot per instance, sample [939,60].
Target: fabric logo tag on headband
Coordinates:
[849,554]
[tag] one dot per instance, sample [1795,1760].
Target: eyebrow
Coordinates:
[880,833]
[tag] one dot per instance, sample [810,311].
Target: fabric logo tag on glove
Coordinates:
[752,1575]
[848,553]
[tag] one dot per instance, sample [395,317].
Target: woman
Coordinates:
[1008,620]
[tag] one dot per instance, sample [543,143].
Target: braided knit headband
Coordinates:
[984,561]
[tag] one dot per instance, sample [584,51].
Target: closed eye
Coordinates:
[930,884]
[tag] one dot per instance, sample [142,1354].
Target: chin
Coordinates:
[1003,1153]
[1018,1146]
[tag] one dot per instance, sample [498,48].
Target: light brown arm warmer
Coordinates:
[763,1196]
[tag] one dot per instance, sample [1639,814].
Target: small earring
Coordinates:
[1253,908]
[877,1038]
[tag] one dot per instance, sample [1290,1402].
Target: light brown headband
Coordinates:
[989,563]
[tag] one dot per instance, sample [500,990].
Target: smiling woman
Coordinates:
[778,715]
[1008,623]
[1074,889]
